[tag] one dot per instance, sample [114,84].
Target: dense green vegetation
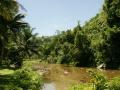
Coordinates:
[16,38]
[95,43]
[21,79]
[16,43]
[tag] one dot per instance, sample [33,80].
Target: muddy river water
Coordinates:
[60,77]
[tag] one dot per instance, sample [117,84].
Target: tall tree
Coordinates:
[112,10]
[9,30]
[8,8]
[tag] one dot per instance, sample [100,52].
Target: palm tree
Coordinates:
[17,24]
[30,44]
[10,24]
[9,8]
[9,31]
[3,37]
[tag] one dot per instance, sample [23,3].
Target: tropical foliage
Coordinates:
[16,37]
[95,43]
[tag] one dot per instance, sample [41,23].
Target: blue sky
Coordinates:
[47,16]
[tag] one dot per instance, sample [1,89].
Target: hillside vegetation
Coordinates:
[95,43]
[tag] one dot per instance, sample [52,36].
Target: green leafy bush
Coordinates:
[9,87]
[99,81]
[114,84]
[27,79]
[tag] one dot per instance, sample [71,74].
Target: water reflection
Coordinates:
[49,86]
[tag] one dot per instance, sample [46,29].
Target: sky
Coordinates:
[47,16]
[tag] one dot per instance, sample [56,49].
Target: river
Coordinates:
[60,77]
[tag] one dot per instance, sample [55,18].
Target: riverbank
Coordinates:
[57,76]
[20,79]
[98,82]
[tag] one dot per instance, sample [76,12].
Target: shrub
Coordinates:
[27,79]
[114,84]
[82,87]
[9,87]
[99,81]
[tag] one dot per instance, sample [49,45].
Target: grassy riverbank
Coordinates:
[98,82]
[21,79]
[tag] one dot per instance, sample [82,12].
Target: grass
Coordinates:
[26,64]
[5,77]
[82,87]
[30,63]
[18,79]
[6,71]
